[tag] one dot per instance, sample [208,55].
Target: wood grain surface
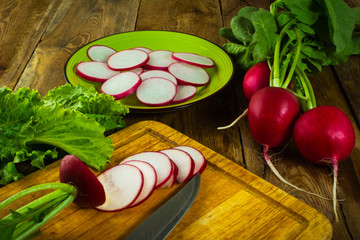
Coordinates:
[37,37]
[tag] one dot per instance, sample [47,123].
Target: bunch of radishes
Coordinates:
[323,135]
[158,77]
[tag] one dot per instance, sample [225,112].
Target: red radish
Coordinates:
[256,78]
[184,163]
[159,60]
[187,74]
[100,53]
[95,71]
[122,184]
[160,162]
[172,178]
[325,135]
[127,59]
[197,157]
[121,85]
[148,50]
[74,172]
[184,93]
[156,91]
[150,178]
[193,59]
[158,73]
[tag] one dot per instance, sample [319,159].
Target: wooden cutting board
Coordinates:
[232,203]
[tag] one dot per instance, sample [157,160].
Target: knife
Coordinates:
[160,223]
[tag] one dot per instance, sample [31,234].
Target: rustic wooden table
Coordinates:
[37,37]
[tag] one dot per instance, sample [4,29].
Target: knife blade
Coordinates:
[160,223]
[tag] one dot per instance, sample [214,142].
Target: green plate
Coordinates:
[220,74]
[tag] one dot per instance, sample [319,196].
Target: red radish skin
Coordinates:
[193,59]
[145,49]
[173,177]
[184,163]
[158,73]
[325,135]
[159,60]
[100,53]
[74,172]
[127,59]
[184,93]
[121,85]
[95,71]
[198,158]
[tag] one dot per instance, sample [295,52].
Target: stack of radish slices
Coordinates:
[136,177]
[158,77]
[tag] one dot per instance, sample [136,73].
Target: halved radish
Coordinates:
[184,93]
[187,74]
[184,163]
[90,191]
[95,71]
[150,178]
[122,185]
[160,60]
[121,85]
[100,53]
[193,59]
[197,156]
[156,91]
[158,73]
[160,162]
[169,183]
[127,59]
[145,49]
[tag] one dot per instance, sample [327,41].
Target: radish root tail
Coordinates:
[335,164]
[278,175]
[235,121]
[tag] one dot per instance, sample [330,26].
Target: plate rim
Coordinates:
[148,109]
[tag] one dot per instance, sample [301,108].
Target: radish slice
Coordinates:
[156,91]
[187,74]
[160,162]
[197,156]
[169,183]
[122,185]
[100,53]
[127,59]
[138,70]
[158,73]
[160,60]
[150,178]
[147,50]
[121,85]
[95,71]
[184,93]
[193,59]
[184,163]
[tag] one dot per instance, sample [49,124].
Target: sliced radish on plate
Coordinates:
[184,163]
[122,185]
[160,60]
[138,70]
[160,162]
[148,50]
[156,91]
[193,59]
[95,71]
[100,53]
[197,156]
[187,74]
[121,85]
[158,73]
[150,177]
[184,93]
[127,59]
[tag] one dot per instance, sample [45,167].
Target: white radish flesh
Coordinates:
[156,91]
[147,50]
[160,60]
[127,59]
[160,162]
[187,74]
[193,59]
[100,53]
[150,177]
[172,178]
[184,93]
[197,156]
[138,70]
[95,71]
[184,163]
[121,85]
[122,185]
[158,73]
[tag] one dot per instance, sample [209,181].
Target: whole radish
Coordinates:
[256,78]
[325,135]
